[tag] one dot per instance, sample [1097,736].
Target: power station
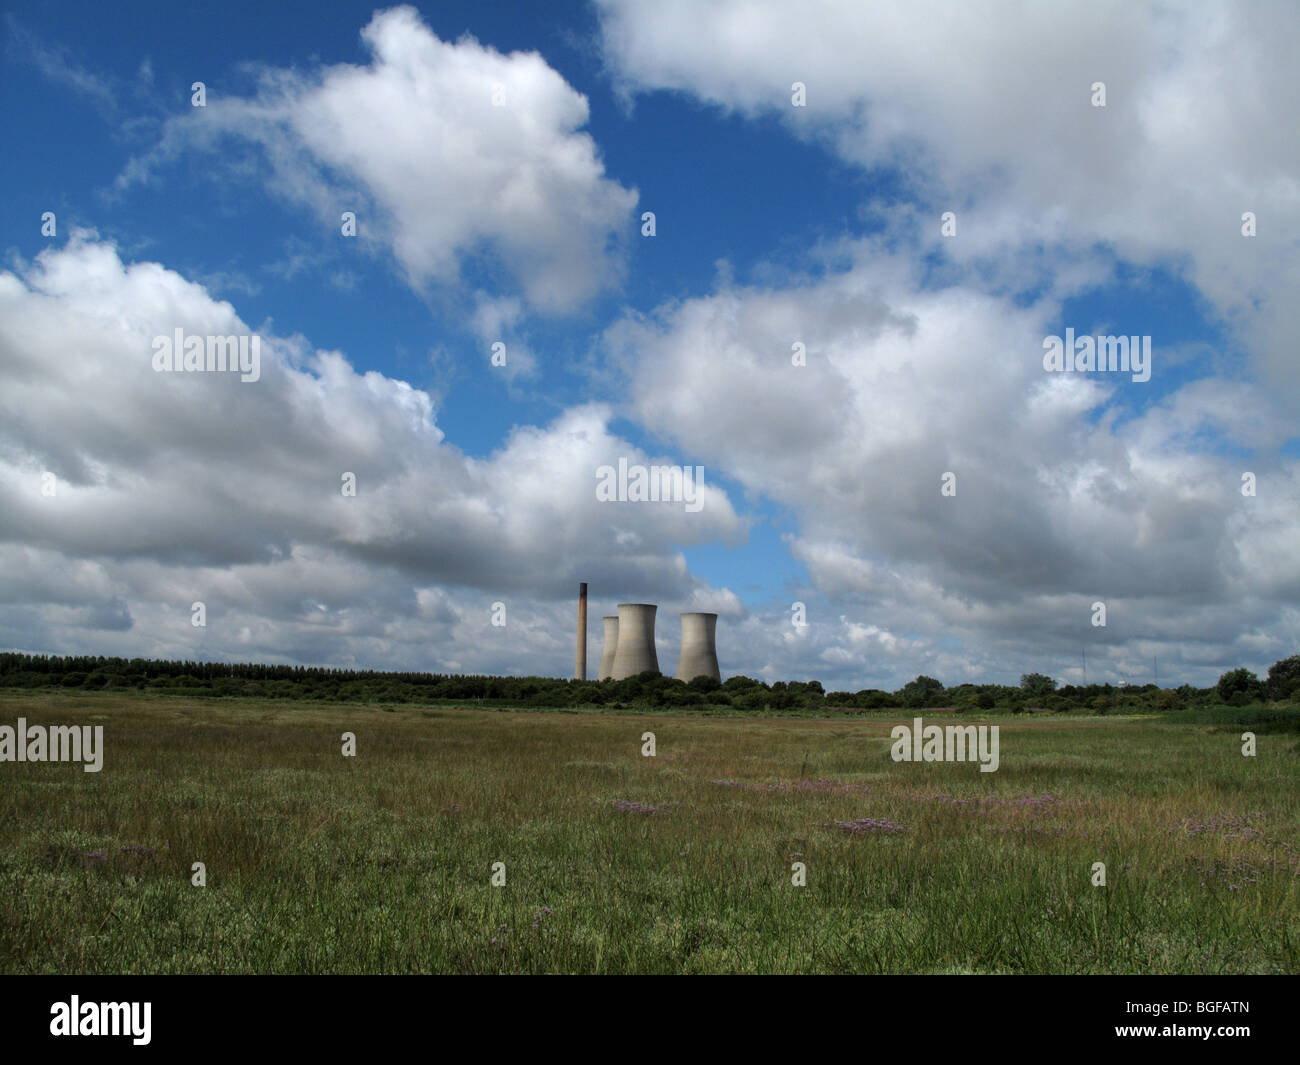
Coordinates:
[611,645]
[629,646]
[635,652]
[699,657]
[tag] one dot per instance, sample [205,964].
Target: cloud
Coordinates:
[1065,495]
[448,182]
[991,116]
[58,65]
[923,357]
[923,352]
[175,488]
[498,321]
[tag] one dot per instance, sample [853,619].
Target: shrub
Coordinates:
[923,691]
[1239,681]
[1284,678]
[1037,685]
[1168,700]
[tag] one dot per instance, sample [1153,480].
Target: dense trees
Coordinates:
[923,691]
[1239,686]
[1284,678]
[1036,684]
[215,679]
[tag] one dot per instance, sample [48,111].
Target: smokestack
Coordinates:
[580,666]
[610,649]
[636,640]
[699,656]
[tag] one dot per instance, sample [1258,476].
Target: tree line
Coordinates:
[1036,691]
[97,672]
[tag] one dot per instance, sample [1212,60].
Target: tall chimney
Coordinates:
[580,666]
[699,656]
[636,640]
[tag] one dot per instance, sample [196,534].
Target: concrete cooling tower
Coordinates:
[636,640]
[699,656]
[610,649]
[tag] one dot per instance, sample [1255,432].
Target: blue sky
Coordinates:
[775,224]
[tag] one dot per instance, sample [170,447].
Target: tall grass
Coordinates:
[616,862]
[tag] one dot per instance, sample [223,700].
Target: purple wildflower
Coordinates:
[628,807]
[867,825]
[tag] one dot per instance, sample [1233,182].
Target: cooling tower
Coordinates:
[699,649]
[580,663]
[611,648]
[636,640]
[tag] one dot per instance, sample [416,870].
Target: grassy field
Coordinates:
[619,863]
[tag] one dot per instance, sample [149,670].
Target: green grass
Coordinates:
[382,862]
[1257,719]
